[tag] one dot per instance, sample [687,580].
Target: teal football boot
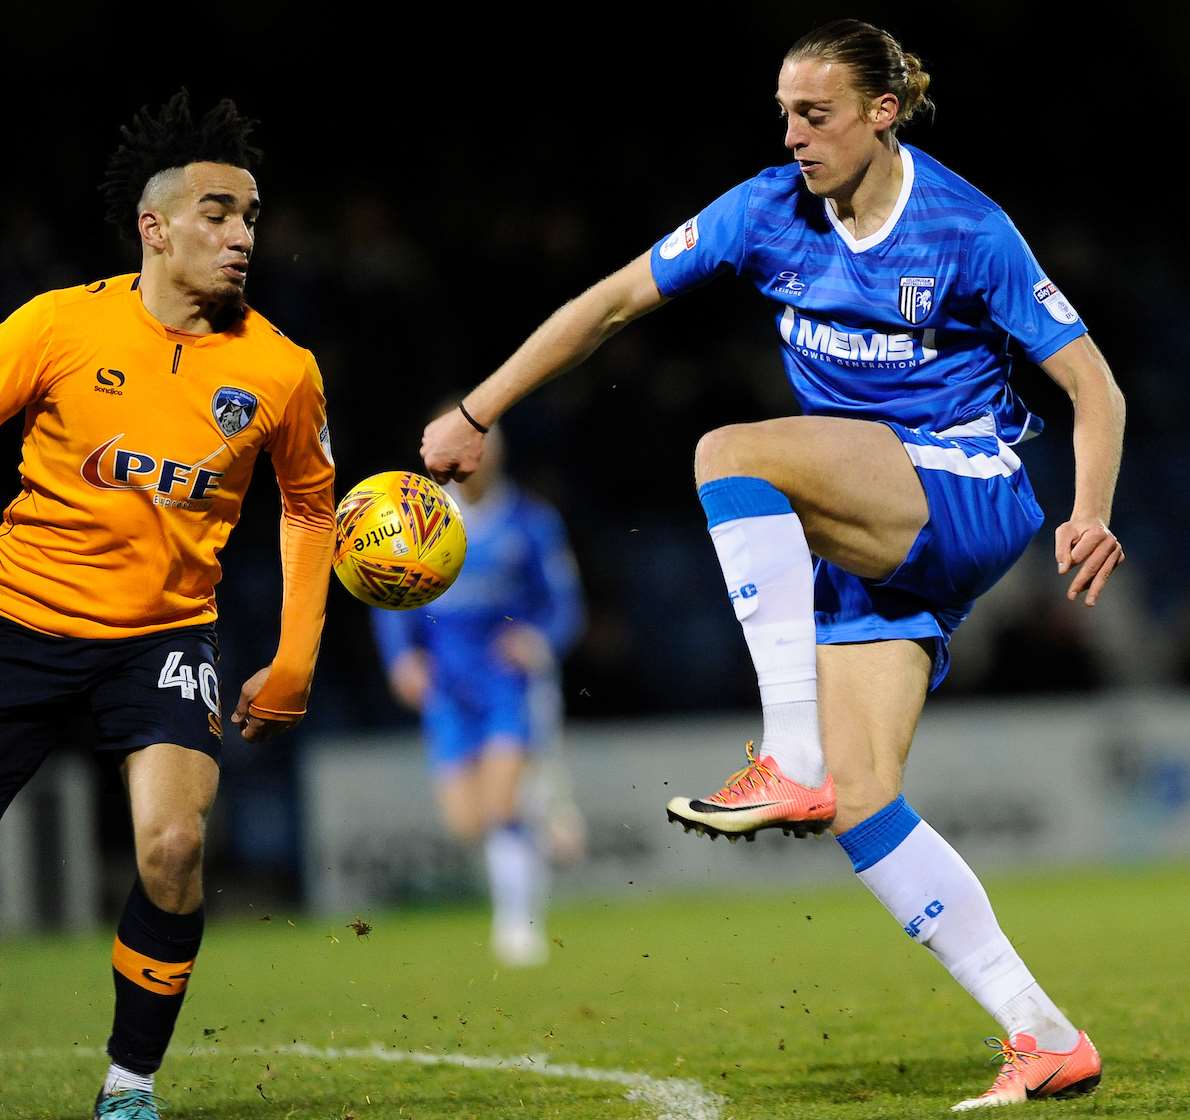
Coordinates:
[126,1104]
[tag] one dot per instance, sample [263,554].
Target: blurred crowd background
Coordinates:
[431,192]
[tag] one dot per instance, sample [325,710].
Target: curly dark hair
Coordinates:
[172,138]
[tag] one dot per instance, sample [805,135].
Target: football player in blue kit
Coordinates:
[481,666]
[900,294]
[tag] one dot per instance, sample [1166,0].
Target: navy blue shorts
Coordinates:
[982,515]
[157,688]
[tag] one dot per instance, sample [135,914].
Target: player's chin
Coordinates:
[227,294]
[817,183]
[229,281]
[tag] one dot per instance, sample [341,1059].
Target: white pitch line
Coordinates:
[672,1098]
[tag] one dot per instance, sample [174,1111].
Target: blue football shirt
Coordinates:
[912,323]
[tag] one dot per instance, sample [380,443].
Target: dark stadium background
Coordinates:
[435,184]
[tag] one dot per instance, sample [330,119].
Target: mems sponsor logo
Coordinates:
[175,484]
[814,339]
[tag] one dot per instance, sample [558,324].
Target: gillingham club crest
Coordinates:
[917,297]
[233,409]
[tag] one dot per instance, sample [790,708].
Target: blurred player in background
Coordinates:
[898,289]
[147,399]
[481,666]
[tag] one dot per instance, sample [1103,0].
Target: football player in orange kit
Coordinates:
[147,399]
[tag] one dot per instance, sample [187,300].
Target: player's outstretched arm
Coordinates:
[452,446]
[1084,541]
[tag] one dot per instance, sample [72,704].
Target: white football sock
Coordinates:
[766,565]
[516,876]
[1035,1013]
[119,1079]
[791,737]
[924,883]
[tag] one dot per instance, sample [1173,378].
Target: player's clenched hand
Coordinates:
[253,728]
[1088,544]
[451,447]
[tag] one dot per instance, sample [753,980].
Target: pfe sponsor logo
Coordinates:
[176,483]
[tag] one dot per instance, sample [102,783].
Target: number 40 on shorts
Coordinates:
[176,675]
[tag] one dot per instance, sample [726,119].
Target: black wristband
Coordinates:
[472,421]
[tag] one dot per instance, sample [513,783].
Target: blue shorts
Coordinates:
[458,724]
[982,515]
[131,693]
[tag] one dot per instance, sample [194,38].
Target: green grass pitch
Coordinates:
[800,1003]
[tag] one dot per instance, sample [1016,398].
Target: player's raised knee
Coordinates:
[721,453]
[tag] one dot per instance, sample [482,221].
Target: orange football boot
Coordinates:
[758,796]
[1029,1073]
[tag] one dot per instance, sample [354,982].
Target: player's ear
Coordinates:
[883,110]
[152,227]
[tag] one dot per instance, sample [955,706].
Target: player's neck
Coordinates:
[865,205]
[179,309]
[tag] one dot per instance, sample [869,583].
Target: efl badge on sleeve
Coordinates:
[682,240]
[1045,291]
[233,410]
[917,297]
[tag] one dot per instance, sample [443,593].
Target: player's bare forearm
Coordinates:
[570,335]
[1085,541]
[1083,372]
[452,446]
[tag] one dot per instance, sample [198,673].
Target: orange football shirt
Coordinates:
[139,445]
